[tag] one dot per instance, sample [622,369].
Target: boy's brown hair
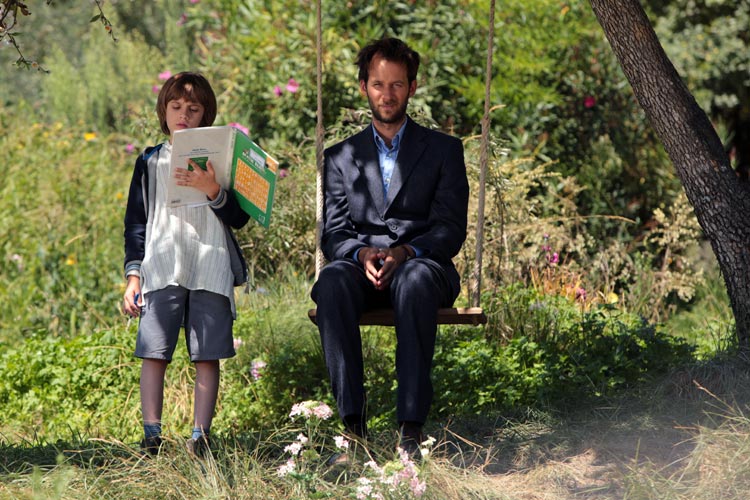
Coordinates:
[191,87]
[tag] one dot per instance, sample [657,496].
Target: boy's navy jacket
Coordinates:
[139,208]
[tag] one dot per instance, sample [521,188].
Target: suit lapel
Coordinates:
[365,155]
[412,147]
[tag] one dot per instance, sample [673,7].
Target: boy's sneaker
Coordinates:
[150,446]
[199,448]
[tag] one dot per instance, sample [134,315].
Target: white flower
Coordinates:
[294,448]
[341,442]
[288,467]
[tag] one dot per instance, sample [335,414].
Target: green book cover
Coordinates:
[253,178]
[240,165]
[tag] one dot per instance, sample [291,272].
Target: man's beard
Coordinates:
[397,116]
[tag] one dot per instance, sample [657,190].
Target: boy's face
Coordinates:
[183,114]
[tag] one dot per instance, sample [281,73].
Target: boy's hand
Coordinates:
[133,300]
[202,180]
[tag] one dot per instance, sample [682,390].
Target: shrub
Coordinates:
[554,349]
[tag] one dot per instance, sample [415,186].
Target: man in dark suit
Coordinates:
[396,198]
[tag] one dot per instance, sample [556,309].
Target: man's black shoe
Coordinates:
[410,439]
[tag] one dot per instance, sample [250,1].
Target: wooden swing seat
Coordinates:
[446,316]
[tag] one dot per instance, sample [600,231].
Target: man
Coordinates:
[396,198]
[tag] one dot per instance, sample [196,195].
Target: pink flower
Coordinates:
[194,1]
[182,20]
[292,85]
[554,258]
[256,369]
[277,90]
[287,468]
[322,411]
[311,409]
[580,294]
[239,127]
[155,89]
[237,343]
[165,75]
[129,148]
[294,448]
[417,487]
[589,101]
[283,172]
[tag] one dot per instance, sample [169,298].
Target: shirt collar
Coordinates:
[396,138]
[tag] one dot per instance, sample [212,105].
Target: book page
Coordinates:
[201,144]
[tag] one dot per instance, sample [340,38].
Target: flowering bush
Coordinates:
[304,467]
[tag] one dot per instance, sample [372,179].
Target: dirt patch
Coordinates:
[600,451]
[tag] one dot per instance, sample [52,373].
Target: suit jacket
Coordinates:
[427,200]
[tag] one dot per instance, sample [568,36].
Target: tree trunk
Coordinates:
[721,203]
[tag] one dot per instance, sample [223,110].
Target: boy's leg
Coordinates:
[205,393]
[152,390]
[208,331]
[158,332]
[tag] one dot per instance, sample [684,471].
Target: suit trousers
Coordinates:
[342,293]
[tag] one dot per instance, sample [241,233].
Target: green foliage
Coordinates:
[60,224]
[279,360]
[58,387]
[707,42]
[537,234]
[557,350]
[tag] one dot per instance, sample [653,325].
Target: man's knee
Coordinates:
[334,280]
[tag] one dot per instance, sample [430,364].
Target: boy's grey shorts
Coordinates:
[207,318]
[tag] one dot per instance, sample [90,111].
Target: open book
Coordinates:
[240,165]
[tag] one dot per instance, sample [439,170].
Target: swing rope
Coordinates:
[319,133]
[483,160]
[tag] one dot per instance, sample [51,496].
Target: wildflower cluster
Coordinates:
[396,478]
[256,369]
[304,457]
[553,278]
[310,409]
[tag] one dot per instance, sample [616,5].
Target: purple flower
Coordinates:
[277,90]
[165,75]
[292,85]
[589,101]
[554,258]
[129,148]
[240,127]
[283,172]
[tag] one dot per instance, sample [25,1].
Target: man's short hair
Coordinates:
[192,87]
[390,49]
